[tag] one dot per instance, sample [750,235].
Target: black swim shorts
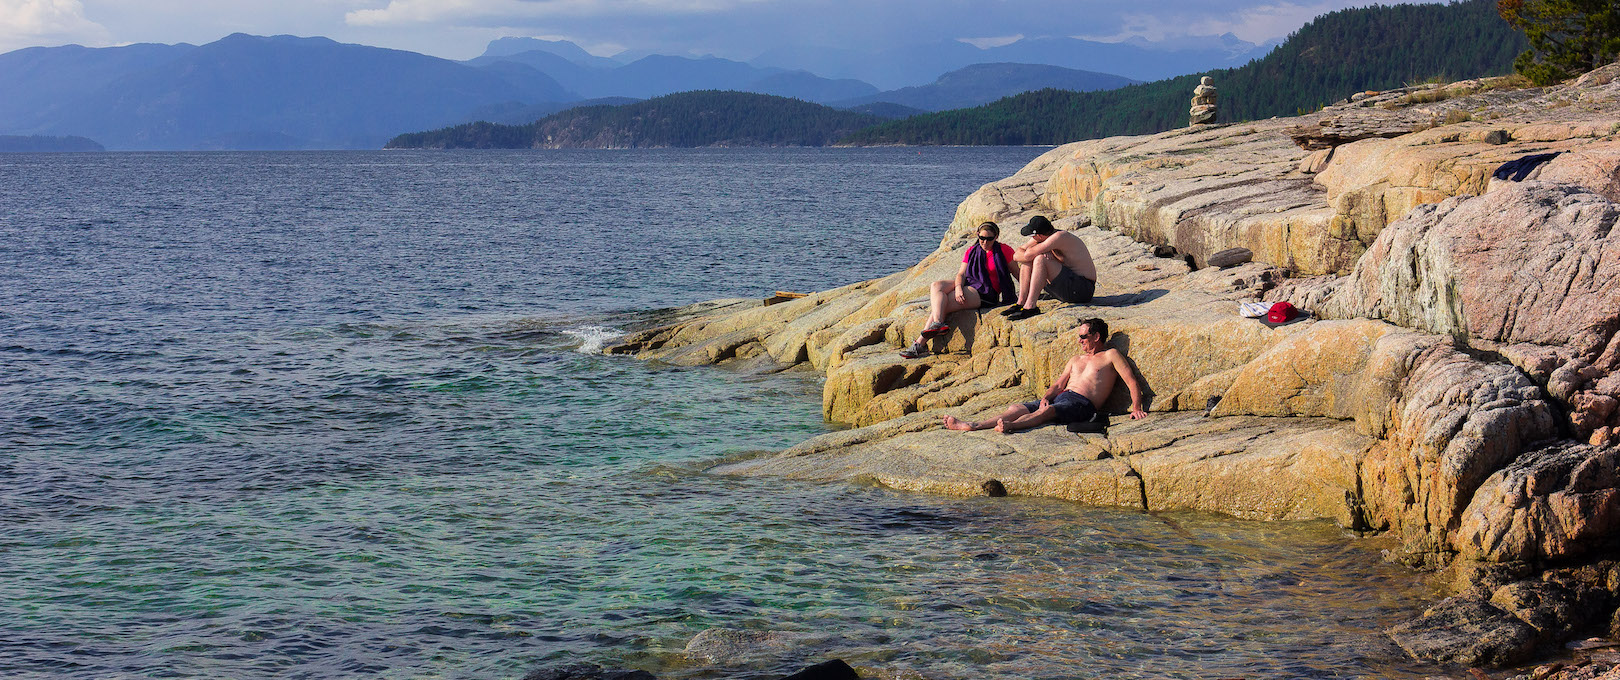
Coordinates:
[1072,407]
[1071,287]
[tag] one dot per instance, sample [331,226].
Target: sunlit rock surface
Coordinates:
[1456,386]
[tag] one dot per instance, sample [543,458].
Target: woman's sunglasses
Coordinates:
[987,238]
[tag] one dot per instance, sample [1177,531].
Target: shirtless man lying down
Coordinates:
[1086,381]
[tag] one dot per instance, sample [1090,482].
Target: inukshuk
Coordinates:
[1203,102]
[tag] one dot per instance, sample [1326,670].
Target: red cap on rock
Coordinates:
[1281,312]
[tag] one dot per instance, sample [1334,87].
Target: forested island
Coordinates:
[686,119]
[39,144]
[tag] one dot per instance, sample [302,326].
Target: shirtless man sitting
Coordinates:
[1086,381]
[1054,261]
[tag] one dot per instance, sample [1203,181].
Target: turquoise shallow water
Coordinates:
[327,415]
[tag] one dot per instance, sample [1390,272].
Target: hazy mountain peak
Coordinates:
[983,83]
[236,38]
[511,46]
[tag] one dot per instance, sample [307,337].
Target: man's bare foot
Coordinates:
[1001,425]
[951,423]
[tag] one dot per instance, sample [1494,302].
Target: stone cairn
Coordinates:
[1203,102]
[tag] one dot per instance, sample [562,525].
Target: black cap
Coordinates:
[1038,225]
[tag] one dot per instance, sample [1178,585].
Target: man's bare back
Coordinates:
[1072,252]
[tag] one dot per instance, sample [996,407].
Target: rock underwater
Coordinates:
[1457,387]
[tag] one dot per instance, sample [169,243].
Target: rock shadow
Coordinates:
[1119,401]
[1128,299]
[963,322]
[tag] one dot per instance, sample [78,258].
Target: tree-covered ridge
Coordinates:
[686,119]
[40,143]
[1333,56]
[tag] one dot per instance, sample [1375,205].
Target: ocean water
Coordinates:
[318,415]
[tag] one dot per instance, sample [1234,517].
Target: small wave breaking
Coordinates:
[593,338]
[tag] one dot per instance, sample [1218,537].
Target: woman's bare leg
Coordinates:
[942,302]
[939,294]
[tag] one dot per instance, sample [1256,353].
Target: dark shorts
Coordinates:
[991,299]
[1071,287]
[1072,407]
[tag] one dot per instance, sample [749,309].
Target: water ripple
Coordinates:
[332,415]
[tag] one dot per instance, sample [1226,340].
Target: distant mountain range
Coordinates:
[1333,56]
[598,77]
[908,65]
[594,77]
[250,92]
[985,83]
[285,92]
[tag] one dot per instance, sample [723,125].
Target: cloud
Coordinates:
[744,28]
[25,23]
[738,29]
[996,41]
[481,11]
[1254,23]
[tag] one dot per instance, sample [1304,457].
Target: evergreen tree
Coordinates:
[1567,37]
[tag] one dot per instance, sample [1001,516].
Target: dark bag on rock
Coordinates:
[1098,424]
[1518,169]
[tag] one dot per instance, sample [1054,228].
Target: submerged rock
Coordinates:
[732,646]
[1466,632]
[585,671]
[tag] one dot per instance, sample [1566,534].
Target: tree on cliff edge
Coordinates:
[1567,37]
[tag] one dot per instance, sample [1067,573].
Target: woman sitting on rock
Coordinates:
[985,279]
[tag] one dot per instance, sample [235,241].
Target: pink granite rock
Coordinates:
[1529,264]
[1595,168]
[1555,503]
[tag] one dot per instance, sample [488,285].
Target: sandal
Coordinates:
[1025,314]
[1016,308]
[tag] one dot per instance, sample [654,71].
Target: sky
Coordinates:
[735,29]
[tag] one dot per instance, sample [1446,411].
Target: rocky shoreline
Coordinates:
[1457,388]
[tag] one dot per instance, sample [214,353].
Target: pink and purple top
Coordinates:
[1006,252]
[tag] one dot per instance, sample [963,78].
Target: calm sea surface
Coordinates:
[315,415]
